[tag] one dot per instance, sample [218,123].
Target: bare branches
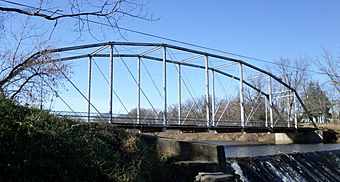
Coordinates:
[53,15]
[27,80]
[24,33]
[30,13]
[21,71]
[297,79]
[331,68]
[83,13]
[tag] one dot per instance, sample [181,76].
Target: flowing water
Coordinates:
[295,162]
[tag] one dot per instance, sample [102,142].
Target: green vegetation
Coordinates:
[316,101]
[36,146]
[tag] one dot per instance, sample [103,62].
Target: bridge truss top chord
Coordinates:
[262,99]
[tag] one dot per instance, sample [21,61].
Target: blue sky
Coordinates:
[263,29]
[268,29]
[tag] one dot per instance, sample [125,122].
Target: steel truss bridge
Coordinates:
[248,98]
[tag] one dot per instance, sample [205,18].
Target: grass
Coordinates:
[36,146]
[332,126]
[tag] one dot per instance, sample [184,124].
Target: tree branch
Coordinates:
[19,67]
[22,85]
[51,17]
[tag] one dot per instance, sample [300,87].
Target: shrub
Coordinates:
[36,146]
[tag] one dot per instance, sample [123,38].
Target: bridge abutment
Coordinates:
[306,137]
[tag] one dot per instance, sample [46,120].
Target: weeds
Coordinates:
[36,146]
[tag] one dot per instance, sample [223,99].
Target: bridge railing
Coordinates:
[146,120]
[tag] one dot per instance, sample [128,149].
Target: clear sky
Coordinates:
[266,29]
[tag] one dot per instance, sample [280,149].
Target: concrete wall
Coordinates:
[188,151]
[307,137]
[282,138]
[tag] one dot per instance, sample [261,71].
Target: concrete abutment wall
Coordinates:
[306,137]
[188,151]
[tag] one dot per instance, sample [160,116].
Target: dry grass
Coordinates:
[211,136]
[331,126]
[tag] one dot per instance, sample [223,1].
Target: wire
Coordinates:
[69,80]
[142,91]
[172,56]
[153,81]
[224,97]
[225,91]
[57,95]
[107,81]
[163,38]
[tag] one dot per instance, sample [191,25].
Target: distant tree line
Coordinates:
[227,111]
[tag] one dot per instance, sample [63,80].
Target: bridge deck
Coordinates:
[219,129]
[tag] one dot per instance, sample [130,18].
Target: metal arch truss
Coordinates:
[273,111]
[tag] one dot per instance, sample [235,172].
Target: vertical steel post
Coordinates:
[270,90]
[41,93]
[295,112]
[213,98]
[241,96]
[207,90]
[288,108]
[111,83]
[287,97]
[165,119]
[266,111]
[179,95]
[138,90]
[89,89]
[339,112]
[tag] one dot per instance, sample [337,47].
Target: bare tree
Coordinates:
[330,66]
[84,16]
[295,74]
[254,102]
[26,73]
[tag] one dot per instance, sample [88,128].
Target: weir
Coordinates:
[204,159]
[200,148]
[310,166]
